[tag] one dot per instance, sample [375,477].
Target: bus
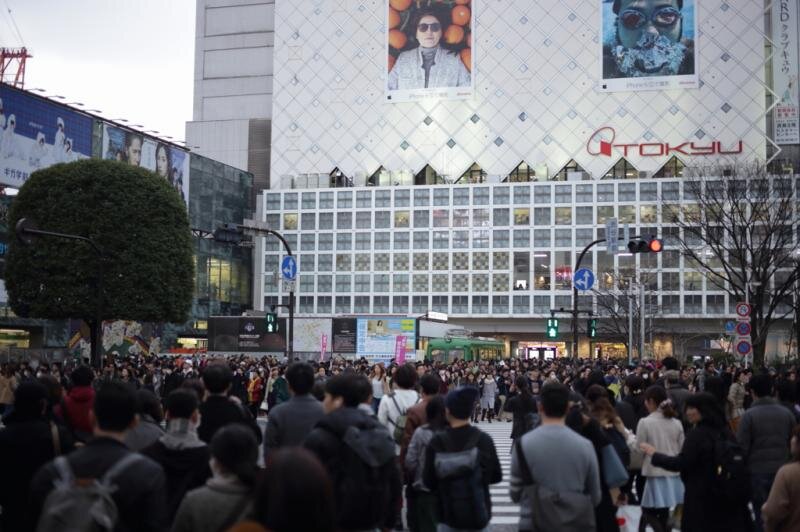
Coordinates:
[447,349]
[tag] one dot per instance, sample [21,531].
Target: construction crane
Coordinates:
[12,66]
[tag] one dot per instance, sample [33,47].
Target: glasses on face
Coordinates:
[434,27]
[662,18]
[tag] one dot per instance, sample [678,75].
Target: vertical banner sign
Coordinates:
[785,67]
[400,349]
[323,348]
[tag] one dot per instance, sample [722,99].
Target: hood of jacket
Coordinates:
[82,394]
[361,432]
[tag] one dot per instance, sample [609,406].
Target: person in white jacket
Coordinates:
[395,404]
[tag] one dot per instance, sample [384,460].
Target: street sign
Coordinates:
[612,235]
[743,310]
[626,233]
[744,347]
[730,327]
[583,279]
[743,328]
[289,268]
[289,286]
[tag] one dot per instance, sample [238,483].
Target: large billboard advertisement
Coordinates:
[648,45]
[131,147]
[377,338]
[35,134]
[245,334]
[429,49]
[785,67]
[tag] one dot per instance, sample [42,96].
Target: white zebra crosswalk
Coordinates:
[505,513]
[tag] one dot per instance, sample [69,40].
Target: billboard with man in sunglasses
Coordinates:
[648,45]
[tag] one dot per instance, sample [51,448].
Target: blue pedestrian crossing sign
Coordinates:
[289,268]
[583,279]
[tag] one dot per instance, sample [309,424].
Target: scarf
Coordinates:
[181,434]
[428,54]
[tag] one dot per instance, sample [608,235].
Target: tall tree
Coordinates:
[133,215]
[739,228]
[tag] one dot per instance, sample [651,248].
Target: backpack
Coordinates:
[399,423]
[363,486]
[462,498]
[530,421]
[620,445]
[731,483]
[82,505]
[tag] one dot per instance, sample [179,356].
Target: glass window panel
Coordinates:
[325,241]
[364,199]
[344,241]
[383,198]
[441,240]
[363,220]
[563,215]
[401,240]
[344,200]
[290,221]
[522,195]
[522,216]
[325,283]
[461,196]
[307,242]
[563,238]
[422,198]
[460,239]
[344,220]
[421,261]
[501,217]
[480,218]
[401,219]
[480,261]
[343,282]
[605,193]
[604,212]
[401,198]
[627,214]
[480,196]
[421,240]
[344,262]
[500,238]
[542,194]
[441,218]
[308,221]
[500,260]
[522,238]
[480,238]
[563,194]
[422,219]
[383,219]
[542,216]
[647,214]
[461,260]
[400,262]
[541,270]
[381,262]
[290,201]
[541,238]
[501,196]
[326,200]
[461,218]
[400,281]
[325,262]
[441,197]
[584,193]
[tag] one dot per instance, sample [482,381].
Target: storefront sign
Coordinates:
[784,66]
[602,142]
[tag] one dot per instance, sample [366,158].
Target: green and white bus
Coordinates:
[448,349]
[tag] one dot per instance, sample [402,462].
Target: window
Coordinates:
[307,262]
[421,240]
[692,304]
[401,198]
[307,242]
[382,240]
[648,191]
[522,305]
[480,238]
[401,241]
[542,216]
[500,237]
[627,192]
[583,237]
[647,214]
[273,202]
[380,304]
[500,260]
[461,196]
[441,197]
[522,173]
[480,304]
[290,201]
[307,284]
[400,262]
[421,261]
[500,304]
[364,220]
[363,262]
[290,221]
[343,305]
[364,199]
[441,218]
[344,262]
[400,281]
[584,215]
[274,220]
[382,219]
[715,304]
[522,238]
[541,238]
[563,194]
[400,304]
[419,304]
[344,200]
[440,283]
[672,168]
[480,196]
[584,193]
[563,215]
[460,239]
[381,262]
[460,282]
[480,218]
[441,240]
[542,194]
[500,282]
[344,241]
[605,193]
[401,219]
[324,304]
[522,216]
[383,198]
[460,304]
[344,220]
[439,304]
[541,305]
[501,217]
[604,212]
[670,282]
[362,283]
[670,190]
[308,221]
[441,261]
[325,262]
[500,196]
[563,238]
[541,270]
[325,283]
[480,261]
[343,282]
[627,214]
[692,281]
[326,200]
[422,198]
[461,218]
[421,282]
[325,241]
[422,219]
[522,195]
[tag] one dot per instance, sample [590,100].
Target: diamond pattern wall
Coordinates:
[536,68]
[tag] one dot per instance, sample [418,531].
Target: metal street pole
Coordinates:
[630,326]
[641,321]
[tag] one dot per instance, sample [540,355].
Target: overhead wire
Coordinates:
[14,22]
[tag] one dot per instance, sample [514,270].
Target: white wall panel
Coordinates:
[239,19]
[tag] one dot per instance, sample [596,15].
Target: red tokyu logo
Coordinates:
[603,142]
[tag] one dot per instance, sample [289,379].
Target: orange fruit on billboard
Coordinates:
[461,15]
[392,61]
[394,18]
[397,39]
[400,5]
[454,34]
[466,58]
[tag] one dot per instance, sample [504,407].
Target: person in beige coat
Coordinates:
[782,511]
[661,429]
[8,383]
[736,396]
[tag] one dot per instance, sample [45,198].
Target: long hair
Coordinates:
[658,395]
[710,410]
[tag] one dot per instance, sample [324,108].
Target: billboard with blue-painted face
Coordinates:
[36,133]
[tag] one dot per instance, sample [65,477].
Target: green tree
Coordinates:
[137,219]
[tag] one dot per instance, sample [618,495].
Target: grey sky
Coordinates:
[132,59]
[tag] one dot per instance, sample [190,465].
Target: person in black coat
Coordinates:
[702,511]
[523,407]
[218,409]
[28,442]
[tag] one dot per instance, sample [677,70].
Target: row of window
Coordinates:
[665,305]
[542,194]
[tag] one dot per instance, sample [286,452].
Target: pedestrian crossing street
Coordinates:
[505,514]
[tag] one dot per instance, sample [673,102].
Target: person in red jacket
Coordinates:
[79,401]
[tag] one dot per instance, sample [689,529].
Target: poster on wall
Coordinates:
[648,46]
[35,134]
[785,68]
[140,150]
[377,338]
[344,335]
[245,334]
[429,49]
[308,334]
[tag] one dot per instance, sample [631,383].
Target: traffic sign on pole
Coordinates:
[743,328]
[730,327]
[289,268]
[743,310]
[744,347]
[583,279]
[612,235]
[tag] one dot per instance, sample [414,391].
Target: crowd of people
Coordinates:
[175,444]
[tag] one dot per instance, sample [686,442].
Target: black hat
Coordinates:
[616,6]
[461,401]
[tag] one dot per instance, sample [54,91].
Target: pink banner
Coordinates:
[400,350]
[323,348]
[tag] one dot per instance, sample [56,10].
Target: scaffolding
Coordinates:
[12,66]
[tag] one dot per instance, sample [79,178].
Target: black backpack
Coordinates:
[462,498]
[620,445]
[731,476]
[363,484]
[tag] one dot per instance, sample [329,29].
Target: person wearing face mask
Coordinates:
[649,40]
[180,452]
[226,496]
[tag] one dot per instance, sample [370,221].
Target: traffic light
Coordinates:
[272,322]
[552,328]
[228,233]
[646,245]
[591,328]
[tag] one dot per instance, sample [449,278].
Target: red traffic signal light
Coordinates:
[656,245]
[651,245]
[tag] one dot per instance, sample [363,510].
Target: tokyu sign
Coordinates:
[603,142]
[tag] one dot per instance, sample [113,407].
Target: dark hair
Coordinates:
[346,386]
[658,395]
[634,383]
[596,392]
[235,448]
[148,403]
[616,6]
[217,377]
[196,386]
[709,408]
[786,391]
[82,376]
[181,403]
[555,399]
[670,363]
[716,387]
[406,376]
[30,399]
[435,413]
[54,389]
[301,378]
[523,385]
[739,372]
[429,384]
[295,494]
[761,385]
[318,391]
[130,137]
[162,146]
[115,406]
[364,389]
